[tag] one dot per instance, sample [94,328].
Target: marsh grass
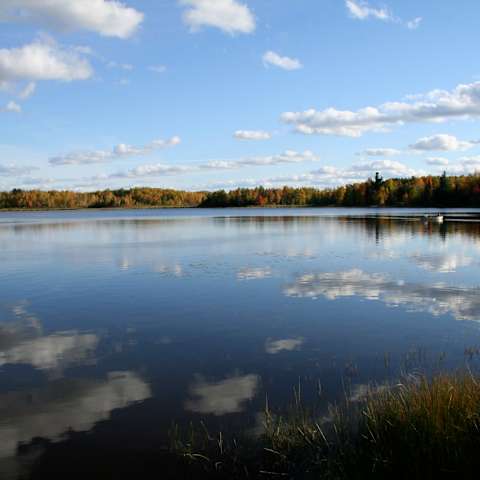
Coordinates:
[422,428]
[416,428]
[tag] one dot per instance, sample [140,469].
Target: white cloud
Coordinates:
[330,176]
[361,10]
[223,397]
[286,63]
[34,182]
[441,142]
[252,135]
[414,23]
[380,152]
[471,160]
[84,50]
[160,169]
[229,16]
[119,151]
[436,106]
[153,170]
[12,170]
[287,344]
[107,17]
[439,161]
[28,91]
[387,167]
[287,157]
[464,166]
[121,66]
[327,176]
[12,107]
[81,158]
[43,60]
[336,122]
[158,68]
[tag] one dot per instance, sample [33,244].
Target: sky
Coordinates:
[219,94]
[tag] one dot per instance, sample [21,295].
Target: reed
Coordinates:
[416,428]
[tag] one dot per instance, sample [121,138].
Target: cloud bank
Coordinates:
[441,142]
[119,151]
[160,169]
[252,135]
[106,17]
[436,106]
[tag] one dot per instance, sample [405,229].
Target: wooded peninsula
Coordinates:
[428,191]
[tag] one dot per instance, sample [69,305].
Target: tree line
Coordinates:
[122,198]
[427,191]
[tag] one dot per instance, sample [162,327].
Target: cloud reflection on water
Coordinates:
[286,344]
[52,351]
[463,303]
[23,342]
[64,405]
[447,263]
[222,397]
[254,273]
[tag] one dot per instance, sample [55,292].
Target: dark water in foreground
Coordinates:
[114,324]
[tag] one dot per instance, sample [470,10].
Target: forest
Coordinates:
[132,198]
[428,191]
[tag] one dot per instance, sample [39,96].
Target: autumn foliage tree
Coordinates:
[428,191]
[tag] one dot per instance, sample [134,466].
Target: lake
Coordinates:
[114,325]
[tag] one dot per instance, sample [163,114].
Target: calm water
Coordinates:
[114,324]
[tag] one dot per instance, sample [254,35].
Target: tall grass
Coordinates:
[418,428]
[422,428]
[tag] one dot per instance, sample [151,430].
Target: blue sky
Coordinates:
[206,94]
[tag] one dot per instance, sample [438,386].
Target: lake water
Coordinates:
[115,324]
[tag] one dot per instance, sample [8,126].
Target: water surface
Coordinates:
[115,324]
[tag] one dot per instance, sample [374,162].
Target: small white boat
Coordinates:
[433,218]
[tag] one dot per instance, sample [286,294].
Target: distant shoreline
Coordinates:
[75,209]
[415,192]
[249,207]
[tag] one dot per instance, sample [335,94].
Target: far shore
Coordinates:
[247,207]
